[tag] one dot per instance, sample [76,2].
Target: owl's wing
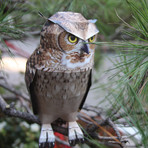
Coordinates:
[29,78]
[87,90]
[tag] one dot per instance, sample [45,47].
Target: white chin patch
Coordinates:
[69,64]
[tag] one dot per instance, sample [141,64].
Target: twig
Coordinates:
[115,142]
[123,115]
[111,140]
[110,122]
[130,136]
[14,91]
[129,26]
[104,130]
[115,111]
[25,105]
[117,33]
[9,97]
[12,112]
[94,109]
[83,119]
[61,141]
[106,138]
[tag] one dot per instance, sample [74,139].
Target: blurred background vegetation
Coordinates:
[123,26]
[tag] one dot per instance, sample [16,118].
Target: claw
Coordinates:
[41,145]
[72,142]
[75,134]
[51,145]
[47,145]
[82,140]
[47,137]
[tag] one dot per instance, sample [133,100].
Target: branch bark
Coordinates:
[12,112]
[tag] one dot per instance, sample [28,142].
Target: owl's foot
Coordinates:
[47,138]
[75,134]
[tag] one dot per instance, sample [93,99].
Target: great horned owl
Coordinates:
[58,73]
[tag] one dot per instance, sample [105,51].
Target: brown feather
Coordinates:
[58,73]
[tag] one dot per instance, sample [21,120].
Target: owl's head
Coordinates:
[70,34]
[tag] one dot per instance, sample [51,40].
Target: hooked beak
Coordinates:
[85,48]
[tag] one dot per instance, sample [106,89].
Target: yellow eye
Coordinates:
[91,39]
[72,38]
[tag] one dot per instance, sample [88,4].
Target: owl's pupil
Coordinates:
[91,38]
[72,38]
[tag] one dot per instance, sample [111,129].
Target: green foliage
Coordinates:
[102,10]
[130,88]
[17,17]
[11,20]
[2,91]
[0,54]
[16,134]
[140,16]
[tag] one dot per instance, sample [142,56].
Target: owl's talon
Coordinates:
[46,145]
[72,142]
[75,134]
[76,141]
[41,145]
[51,145]
[81,140]
[47,137]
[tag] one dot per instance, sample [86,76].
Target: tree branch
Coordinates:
[61,141]
[7,87]
[12,112]
[59,125]
[110,122]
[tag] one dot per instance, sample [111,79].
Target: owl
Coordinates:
[58,73]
